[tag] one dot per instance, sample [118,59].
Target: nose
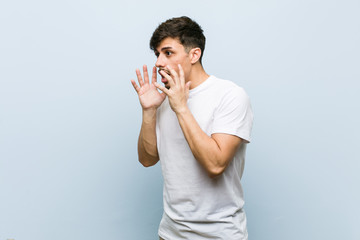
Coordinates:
[160,62]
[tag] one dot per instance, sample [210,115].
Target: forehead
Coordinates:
[170,43]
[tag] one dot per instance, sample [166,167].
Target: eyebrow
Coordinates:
[162,49]
[165,48]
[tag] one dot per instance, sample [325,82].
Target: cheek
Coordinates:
[184,65]
[174,65]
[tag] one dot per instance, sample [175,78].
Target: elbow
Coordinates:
[217,167]
[147,159]
[215,172]
[148,162]
[214,167]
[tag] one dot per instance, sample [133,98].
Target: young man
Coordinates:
[198,126]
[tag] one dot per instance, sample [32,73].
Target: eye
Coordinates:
[156,54]
[168,53]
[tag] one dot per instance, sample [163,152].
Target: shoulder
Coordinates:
[229,89]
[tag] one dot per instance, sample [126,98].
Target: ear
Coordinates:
[195,55]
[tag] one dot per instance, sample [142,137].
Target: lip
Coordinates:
[164,80]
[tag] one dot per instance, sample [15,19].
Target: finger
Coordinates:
[182,75]
[154,75]
[168,77]
[140,80]
[174,74]
[136,87]
[162,88]
[146,74]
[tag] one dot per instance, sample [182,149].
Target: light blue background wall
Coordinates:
[69,117]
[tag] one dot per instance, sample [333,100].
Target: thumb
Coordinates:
[188,85]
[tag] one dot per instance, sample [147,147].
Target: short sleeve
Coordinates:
[234,114]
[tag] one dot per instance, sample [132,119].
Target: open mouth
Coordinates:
[163,79]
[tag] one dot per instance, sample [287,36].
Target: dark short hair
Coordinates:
[187,31]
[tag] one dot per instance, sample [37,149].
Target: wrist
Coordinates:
[149,114]
[182,110]
[149,110]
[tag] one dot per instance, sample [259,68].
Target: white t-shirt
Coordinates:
[197,207]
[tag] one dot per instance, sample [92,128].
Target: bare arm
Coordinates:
[150,99]
[213,152]
[147,147]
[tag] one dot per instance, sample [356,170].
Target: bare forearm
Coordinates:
[147,148]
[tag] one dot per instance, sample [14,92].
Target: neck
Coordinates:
[197,76]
